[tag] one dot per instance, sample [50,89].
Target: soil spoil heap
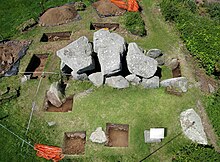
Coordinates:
[106,8]
[58,15]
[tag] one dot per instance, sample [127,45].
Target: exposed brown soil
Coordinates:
[9,54]
[74,143]
[171,90]
[117,135]
[58,15]
[176,72]
[205,80]
[106,8]
[50,37]
[208,127]
[110,26]
[36,65]
[66,107]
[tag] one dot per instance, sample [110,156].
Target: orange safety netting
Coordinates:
[49,152]
[130,5]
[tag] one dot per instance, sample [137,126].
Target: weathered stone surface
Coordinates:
[96,78]
[54,95]
[180,83]
[110,60]
[154,53]
[98,136]
[103,38]
[211,88]
[195,131]
[117,82]
[77,55]
[76,76]
[160,60]
[173,63]
[110,48]
[140,64]
[133,79]
[153,82]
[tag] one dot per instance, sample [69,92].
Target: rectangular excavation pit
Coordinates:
[110,26]
[74,143]
[176,72]
[36,66]
[57,36]
[66,107]
[117,135]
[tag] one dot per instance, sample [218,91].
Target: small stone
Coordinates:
[154,53]
[151,83]
[117,82]
[211,88]
[76,76]
[96,78]
[174,63]
[133,79]
[98,136]
[180,83]
[51,123]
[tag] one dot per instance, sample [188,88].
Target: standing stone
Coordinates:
[110,60]
[98,136]
[103,38]
[153,82]
[110,48]
[96,78]
[140,64]
[180,83]
[133,79]
[54,95]
[195,131]
[117,82]
[77,55]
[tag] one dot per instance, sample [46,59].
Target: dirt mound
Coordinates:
[106,8]
[58,15]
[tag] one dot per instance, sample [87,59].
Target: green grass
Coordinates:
[15,12]
[138,107]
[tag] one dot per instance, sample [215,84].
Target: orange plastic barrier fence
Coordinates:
[120,4]
[130,5]
[49,152]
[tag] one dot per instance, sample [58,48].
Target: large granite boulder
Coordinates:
[96,78]
[117,82]
[153,82]
[98,136]
[110,48]
[140,64]
[77,55]
[54,95]
[103,38]
[180,83]
[110,60]
[133,79]
[192,126]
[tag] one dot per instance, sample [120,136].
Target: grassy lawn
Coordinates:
[138,107]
